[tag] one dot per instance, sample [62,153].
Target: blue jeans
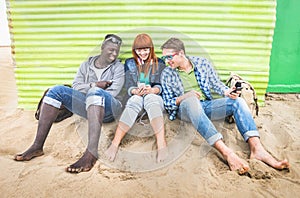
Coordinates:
[78,102]
[200,114]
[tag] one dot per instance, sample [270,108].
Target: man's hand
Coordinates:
[187,95]
[231,94]
[104,84]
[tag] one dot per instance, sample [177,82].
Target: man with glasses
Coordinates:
[94,95]
[186,93]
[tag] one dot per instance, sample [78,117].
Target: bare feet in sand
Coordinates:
[84,164]
[237,164]
[162,154]
[29,154]
[111,152]
[261,154]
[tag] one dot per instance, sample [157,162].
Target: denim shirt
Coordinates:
[172,85]
[132,75]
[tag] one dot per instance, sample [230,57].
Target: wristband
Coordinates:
[92,84]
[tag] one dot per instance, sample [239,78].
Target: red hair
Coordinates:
[144,41]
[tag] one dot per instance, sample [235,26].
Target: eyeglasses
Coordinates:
[169,57]
[113,40]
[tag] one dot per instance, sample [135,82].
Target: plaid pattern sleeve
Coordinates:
[172,85]
[207,77]
[172,88]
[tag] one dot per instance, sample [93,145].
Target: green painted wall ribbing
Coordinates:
[51,38]
[285,58]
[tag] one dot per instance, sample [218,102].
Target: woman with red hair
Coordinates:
[142,80]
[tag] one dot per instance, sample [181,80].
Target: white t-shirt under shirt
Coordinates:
[99,72]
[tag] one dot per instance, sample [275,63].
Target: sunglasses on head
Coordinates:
[169,57]
[113,40]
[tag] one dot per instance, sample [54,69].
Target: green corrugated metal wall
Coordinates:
[52,38]
[285,58]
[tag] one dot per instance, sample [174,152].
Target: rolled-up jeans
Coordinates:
[78,102]
[200,114]
[151,103]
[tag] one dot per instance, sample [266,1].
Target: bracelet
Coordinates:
[92,84]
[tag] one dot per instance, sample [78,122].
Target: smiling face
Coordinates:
[110,51]
[143,53]
[172,58]
[143,49]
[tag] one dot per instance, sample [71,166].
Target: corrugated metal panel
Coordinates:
[52,38]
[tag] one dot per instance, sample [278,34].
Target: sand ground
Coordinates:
[198,171]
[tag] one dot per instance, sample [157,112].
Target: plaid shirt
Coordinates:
[173,87]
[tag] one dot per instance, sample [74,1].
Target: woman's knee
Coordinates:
[151,100]
[135,102]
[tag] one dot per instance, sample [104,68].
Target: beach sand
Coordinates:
[193,169]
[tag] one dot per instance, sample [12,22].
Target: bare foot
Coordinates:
[265,157]
[29,154]
[111,152]
[236,164]
[84,164]
[162,154]
[258,152]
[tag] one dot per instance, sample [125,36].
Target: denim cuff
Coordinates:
[95,100]
[52,102]
[249,134]
[213,139]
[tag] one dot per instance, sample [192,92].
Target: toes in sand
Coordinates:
[111,152]
[162,154]
[28,155]
[267,158]
[84,164]
[237,164]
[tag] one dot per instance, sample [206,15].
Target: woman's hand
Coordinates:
[145,90]
[150,90]
[137,91]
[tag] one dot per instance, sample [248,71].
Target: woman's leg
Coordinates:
[153,105]
[133,107]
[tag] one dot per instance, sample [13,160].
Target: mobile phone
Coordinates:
[238,87]
[141,85]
